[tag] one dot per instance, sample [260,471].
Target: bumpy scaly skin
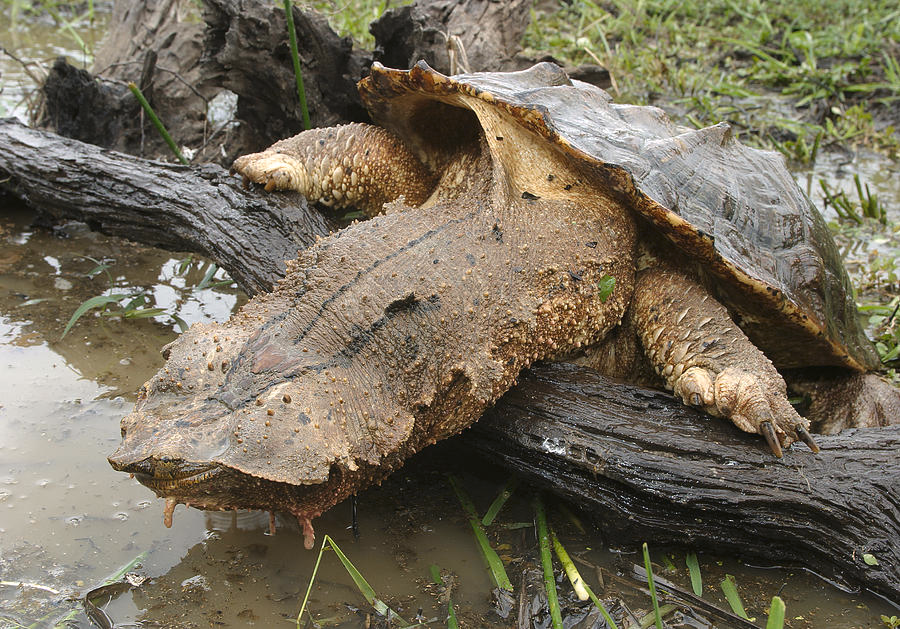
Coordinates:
[705,358]
[354,165]
[387,336]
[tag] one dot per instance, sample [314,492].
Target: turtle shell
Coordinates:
[734,214]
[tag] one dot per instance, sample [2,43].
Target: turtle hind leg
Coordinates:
[354,165]
[707,360]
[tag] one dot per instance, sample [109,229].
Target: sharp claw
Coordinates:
[805,437]
[768,431]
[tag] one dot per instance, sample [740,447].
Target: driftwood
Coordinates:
[648,467]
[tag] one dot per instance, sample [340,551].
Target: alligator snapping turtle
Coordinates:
[505,207]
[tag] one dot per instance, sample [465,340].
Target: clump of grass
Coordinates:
[355,23]
[883,321]
[867,204]
[713,61]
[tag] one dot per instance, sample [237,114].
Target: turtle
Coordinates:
[512,218]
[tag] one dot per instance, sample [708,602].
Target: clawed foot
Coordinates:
[275,171]
[750,401]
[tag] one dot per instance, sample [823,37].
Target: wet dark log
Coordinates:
[202,210]
[647,466]
[650,468]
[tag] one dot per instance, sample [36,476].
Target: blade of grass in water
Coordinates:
[499,501]
[451,615]
[776,614]
[364,588]
[656,615]
[547,564]
[295,58]
[731,594]
[116,576]
[648,619]
[156,122]
[571,571]
[575,577]
[494,563]
[694,569]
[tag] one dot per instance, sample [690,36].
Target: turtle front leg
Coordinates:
[354,165]
[708,361]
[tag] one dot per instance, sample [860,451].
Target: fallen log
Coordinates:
[647,466]
[202,210]
[650,468]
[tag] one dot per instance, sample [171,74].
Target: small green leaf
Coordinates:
[870,559]
[776,614]
[694,569]
[93,302]
[731,594]
[605,287]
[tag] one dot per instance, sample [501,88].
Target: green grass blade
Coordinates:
[776,614]
[494,563]
[312,579]
[567,562]
[364,588]
[693,567]
[451,617]
[362,585]
[648,619]
[94,302]
[657,617]
[731,594]
[156,122]
[499,501]
[575,579]
[547,565]
[295,58]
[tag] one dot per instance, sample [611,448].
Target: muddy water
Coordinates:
[67,521]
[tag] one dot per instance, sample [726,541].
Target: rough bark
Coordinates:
[203,209]
[647,466]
